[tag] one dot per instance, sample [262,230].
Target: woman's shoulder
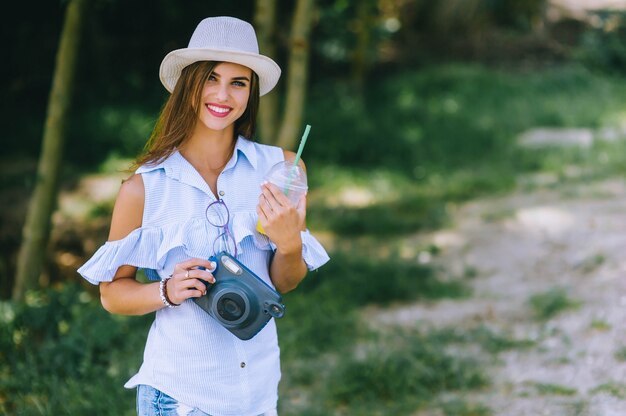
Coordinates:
[132,187]
[291,156]
[128,209]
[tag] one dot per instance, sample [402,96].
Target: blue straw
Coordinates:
[302,143]
[298,155]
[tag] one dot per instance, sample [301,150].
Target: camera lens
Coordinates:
[231,307]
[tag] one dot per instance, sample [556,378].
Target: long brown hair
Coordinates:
[179,115]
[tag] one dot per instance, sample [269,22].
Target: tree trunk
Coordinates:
[360,53]
[265,23]
[36,229]
[298,75]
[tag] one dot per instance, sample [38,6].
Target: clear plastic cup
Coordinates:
[288,178]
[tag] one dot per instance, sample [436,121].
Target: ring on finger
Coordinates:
[187,275]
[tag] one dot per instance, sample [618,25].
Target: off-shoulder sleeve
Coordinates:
[132,250]
[313,253]
[147,248]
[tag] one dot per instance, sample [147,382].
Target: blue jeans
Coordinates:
[153,402]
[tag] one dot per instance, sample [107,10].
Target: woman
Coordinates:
[201,151]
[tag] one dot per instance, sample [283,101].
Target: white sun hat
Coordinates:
[224,39]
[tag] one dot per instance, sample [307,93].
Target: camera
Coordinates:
[239,300]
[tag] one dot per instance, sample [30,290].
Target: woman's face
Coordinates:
[225,96]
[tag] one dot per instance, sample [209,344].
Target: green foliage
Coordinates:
[121,129]
[406,215]
[334,47]
[519,14]
[396,204]
[600,325]
[487,338]
[615,389]
[555,389]
[361,280]
[398,371]
[322,311]
[60,351]
[452,118]
[463,408]
[446,134]
[603,159]
[603,45]
[549,304]
[415,367]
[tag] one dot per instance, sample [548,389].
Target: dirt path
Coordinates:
[572,240]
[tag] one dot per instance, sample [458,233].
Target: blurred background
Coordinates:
[432,123]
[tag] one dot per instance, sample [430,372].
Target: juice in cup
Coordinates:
[289,178]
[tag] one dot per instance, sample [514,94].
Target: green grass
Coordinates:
[548,304]
[386,204]
[458,407]
[550,389]
[443,118]
[592,263]
[600,325]
[351,281]
[615,389]
[446,134]
[60,350]
[488,339]
[398,371]
[417,368]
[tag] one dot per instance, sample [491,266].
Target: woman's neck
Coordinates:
[209,150]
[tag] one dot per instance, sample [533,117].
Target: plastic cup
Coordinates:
[289,178]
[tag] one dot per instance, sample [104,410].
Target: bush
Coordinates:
[603,45]
[60,351]
[415,366]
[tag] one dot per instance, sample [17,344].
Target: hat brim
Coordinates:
[174,62]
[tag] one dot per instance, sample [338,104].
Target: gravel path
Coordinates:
[571,238]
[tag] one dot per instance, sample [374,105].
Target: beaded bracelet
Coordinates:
[163,294]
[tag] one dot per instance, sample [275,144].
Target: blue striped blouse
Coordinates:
[189,355]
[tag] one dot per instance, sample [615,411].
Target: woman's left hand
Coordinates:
[281,220]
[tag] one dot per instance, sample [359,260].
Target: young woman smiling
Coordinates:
[202,151]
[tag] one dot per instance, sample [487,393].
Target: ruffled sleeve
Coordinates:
[244,225]
[313,253]
[131,250]
[147,248]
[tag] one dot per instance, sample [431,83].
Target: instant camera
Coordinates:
[239,300]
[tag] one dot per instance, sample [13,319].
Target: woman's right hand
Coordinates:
[187,280]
